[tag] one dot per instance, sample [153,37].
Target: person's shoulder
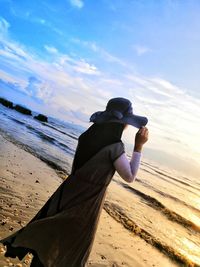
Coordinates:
[116,150]
[118,144]
[112,149]
[117,147]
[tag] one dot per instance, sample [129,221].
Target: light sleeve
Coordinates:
[128,169]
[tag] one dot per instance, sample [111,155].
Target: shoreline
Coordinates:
[23,178]
[59,170]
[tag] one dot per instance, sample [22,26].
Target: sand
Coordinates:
[25,185]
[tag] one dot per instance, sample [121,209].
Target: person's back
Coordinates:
[96,137]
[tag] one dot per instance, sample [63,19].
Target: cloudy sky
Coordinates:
[67,58]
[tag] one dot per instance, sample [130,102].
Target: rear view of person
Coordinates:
[62,233]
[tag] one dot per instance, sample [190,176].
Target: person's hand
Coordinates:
[141,137]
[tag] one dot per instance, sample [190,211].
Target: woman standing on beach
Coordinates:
[61,234]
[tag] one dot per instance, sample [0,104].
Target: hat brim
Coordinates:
[134,120]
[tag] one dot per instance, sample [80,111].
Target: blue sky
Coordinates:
[67,58]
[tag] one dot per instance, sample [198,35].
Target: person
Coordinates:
[62,233]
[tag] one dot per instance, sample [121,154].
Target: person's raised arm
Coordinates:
[128,170]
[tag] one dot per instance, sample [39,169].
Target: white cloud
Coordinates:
[4,25]
[30,17]
[51,49]
[100,51]
[77,3]
[38,89]
[141,49]
[86,68]
[65,77]
[46,24]
[80,114]
[42,21]
[12,79]
[157,86]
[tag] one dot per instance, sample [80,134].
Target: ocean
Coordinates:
[160,207]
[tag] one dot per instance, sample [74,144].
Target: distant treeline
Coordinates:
[22,109]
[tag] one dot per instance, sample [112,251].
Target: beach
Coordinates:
[26,183]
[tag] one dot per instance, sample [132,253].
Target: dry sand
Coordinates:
[25,185]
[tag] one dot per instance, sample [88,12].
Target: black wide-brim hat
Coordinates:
[119,110]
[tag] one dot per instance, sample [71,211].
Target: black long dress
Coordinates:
[63,231]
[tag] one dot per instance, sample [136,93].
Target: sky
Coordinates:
[67,58]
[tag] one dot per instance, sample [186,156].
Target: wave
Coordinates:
[51,140]
[172,182]
[69,149]
[52,127]
[116,212]
[61,171]
[168,195]
[171,177]
[154,203]
[194,181]
[177,180]
[17,121]
[41,134]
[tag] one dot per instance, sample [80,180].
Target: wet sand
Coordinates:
[25,185]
